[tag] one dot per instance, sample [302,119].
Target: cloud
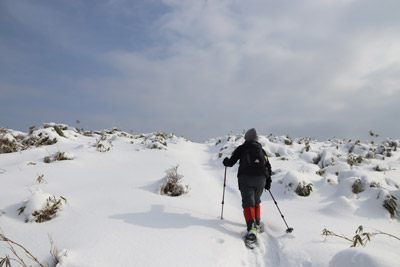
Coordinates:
[198,66]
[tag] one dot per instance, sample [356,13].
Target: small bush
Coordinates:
[288,141]
[303,189]
[38,140]
[320,172]
[8,142]
[379,169]
[375,185]
[357,186]
[48,212]
[59,131]
[99,145]
[352,160]
[390,205]
[59,156]
[173,186]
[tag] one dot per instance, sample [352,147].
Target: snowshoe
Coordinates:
[250,240]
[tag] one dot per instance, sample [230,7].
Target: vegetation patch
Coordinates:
[390,204]
[41,207]
[360,238]
[173,186]
[16,249]
[9,143]
[102,144]
[59,156]
[303,189]
[357,186]
[353,160]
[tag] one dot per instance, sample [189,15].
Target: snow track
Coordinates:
[266,253]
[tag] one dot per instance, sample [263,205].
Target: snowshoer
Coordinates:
[254,175]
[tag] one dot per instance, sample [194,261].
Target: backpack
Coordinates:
[253,159]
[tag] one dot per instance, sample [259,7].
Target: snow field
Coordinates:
[114,215]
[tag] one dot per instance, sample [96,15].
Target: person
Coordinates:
[254,174]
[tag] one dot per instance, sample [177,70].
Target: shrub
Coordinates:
[173,186]
[375,185]
[352,160]
[99,145]
[379,169]
[390,205]
[357,186]
[47,212]
[58,157]
[9,143]
[303,189]
[288,141]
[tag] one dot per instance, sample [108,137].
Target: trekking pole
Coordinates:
[289,229]
[223,196]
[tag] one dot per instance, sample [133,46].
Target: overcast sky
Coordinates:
[202,69]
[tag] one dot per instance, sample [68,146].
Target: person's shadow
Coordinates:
[157,218]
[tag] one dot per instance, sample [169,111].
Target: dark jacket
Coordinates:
[237,155]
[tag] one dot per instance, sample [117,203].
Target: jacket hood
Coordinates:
[251,135]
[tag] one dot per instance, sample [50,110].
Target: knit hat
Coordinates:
[251,135]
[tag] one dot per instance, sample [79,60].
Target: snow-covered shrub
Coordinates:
[390,205]
[328,157]
[58,128]
[41,207]
[156,140]
[358,186]
[297,182]
[173,186]
[353,160]
[303,189]
[101,145]
[57,255]
[375,184]
[288,141]
[9,141]
[380,168]
[59,156]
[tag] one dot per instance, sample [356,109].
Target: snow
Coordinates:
[115,215]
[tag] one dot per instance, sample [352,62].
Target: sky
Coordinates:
[202,69]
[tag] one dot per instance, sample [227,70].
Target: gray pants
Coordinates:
[251,189]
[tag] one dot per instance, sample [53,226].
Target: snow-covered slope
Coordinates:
[112,214]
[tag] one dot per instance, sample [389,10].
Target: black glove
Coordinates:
[268,184]
[226,162]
